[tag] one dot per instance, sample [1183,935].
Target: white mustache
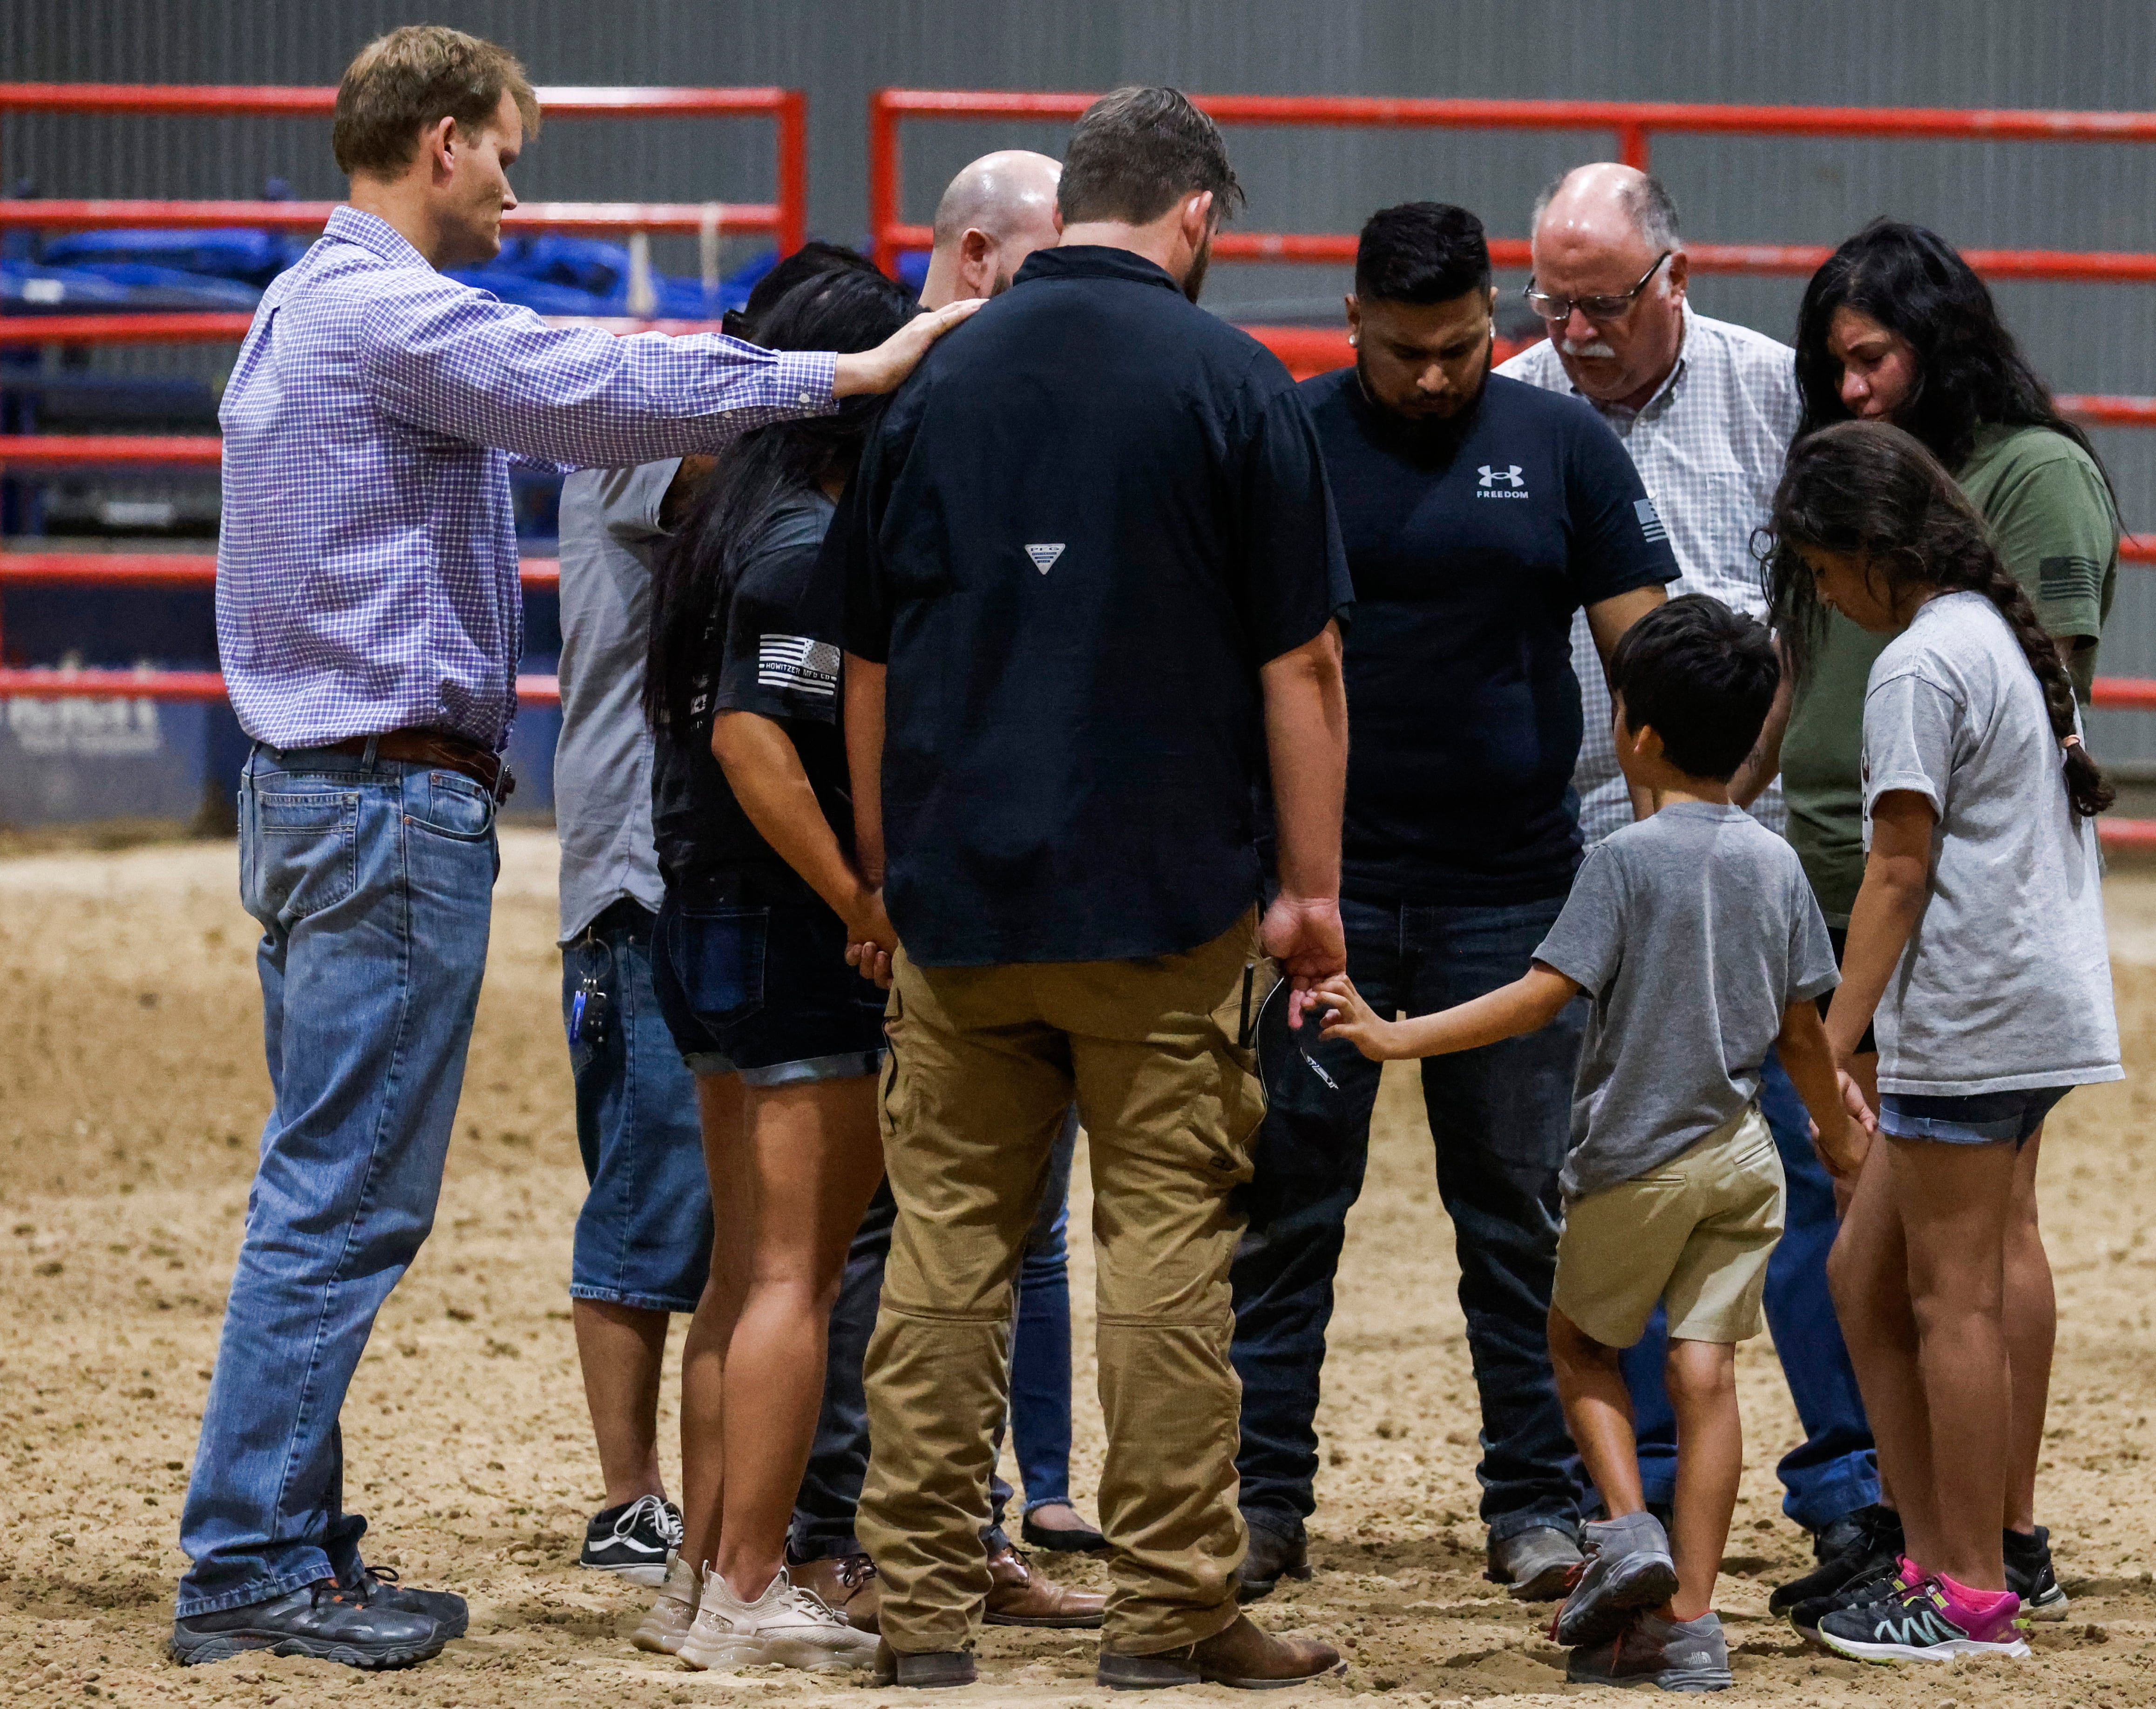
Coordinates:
[1592,347]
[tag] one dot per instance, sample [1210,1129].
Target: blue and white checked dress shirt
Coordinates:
[1709,446]
[367,568]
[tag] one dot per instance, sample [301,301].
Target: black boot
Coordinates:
[1274,1555]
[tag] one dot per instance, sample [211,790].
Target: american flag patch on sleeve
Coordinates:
[797,663]
[1650,520]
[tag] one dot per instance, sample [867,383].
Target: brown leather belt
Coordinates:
[435,747]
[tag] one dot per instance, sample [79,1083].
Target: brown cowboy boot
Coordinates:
[1243,1656]
[1018,1596]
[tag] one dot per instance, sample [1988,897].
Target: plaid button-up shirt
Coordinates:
[1709,445]
[367,567]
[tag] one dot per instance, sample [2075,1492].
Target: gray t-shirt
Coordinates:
[1691,930]
[603,762]
[2006,982]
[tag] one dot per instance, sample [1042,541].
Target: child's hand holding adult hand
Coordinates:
[1346,1015]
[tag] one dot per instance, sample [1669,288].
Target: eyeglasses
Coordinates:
[1558,310]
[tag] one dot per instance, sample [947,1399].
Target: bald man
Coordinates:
[1706,410]
[996,212]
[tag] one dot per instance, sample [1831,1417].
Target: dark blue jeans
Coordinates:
[1500,1117]
[831,1489]
[1833,1470]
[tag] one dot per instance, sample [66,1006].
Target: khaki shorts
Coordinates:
[1696,1236]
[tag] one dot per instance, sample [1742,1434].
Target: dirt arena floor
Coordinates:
[131,1093]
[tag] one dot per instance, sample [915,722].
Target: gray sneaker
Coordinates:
[1628,1568]
[1537,1562]
[1691,1655]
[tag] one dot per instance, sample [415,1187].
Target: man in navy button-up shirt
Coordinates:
[369,616]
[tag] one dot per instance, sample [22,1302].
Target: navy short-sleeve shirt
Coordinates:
[1090,516]
[771,650]
[1471,552]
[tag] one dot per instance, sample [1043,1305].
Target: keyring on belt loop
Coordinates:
[707,250]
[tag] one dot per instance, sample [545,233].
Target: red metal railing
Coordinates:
[785,217]
[1634,123]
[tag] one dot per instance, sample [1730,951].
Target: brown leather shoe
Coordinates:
[847,1583]
[1018,1596]
[1245,1656]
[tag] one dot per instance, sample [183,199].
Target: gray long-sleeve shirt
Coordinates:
[609,532]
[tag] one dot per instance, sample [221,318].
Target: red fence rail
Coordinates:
[1634,123]
[785,216]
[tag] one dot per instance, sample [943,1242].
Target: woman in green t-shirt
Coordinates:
[1896,327]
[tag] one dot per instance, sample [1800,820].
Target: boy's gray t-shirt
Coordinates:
[1693,932]
[2005,984]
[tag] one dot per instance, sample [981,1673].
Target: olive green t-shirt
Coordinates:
[2052,521]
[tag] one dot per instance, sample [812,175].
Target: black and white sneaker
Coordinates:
[634,1541]
[2030,1577]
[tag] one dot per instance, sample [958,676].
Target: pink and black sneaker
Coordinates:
[1936,1621]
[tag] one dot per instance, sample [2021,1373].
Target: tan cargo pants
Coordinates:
[983,1062]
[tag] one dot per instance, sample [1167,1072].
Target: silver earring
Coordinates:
[1354,341]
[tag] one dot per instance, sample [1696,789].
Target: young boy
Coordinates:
[1697,939]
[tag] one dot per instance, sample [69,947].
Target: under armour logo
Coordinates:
[1510,475]
[1045,556]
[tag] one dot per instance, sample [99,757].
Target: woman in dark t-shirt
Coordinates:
[754,827]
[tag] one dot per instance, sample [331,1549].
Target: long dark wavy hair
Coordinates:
[1970,370]
[694,579]
[1876,494]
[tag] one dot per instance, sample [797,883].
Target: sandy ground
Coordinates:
[132,1091]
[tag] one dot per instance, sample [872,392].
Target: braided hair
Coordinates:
[1874,492]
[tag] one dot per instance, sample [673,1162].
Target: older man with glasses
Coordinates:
[1707,410]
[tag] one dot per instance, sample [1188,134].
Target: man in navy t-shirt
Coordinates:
[1479,513]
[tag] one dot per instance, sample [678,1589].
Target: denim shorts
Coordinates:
[1983,1118]
[644,1237]
[751,974]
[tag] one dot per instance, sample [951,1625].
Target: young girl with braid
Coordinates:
[1976,946]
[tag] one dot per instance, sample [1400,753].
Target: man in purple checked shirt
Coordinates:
[369,618]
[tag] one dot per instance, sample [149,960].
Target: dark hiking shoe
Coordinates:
[933,1671]
[378,1587]
[1687,1655]
[1627,1567]
[1537,1562]
[1856,1547]
[1273,1555]
[1926,1623]
[2030,1577]
[1879,1581]
[1245,1656]
[318,1620]
[633,1541]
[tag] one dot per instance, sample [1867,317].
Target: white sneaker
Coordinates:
[673,1611]
[790,1627]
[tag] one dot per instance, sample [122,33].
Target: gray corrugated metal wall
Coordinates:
[2098,53]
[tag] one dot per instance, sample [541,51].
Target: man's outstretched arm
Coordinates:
[1306,696]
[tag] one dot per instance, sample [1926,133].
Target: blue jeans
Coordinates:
[1041,1342]
[1833,1470]
[1500,1117]
[831,1488]
[644,1238]
[373,885]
